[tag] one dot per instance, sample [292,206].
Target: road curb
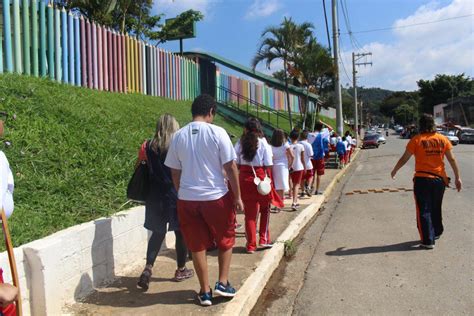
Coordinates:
[249,293]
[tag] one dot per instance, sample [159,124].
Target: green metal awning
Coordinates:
[268,80]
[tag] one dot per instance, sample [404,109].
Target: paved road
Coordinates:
[367,260]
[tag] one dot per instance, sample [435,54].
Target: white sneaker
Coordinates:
[427,246]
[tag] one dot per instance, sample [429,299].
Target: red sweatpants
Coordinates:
[252,208]
[254,203]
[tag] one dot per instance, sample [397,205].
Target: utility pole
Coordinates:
[355,58]
[337,90]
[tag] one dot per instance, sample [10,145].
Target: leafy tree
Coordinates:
[313,68]
[406,113]
[390,103]
[179,26]
[95,10]
[442,88]
[281,42]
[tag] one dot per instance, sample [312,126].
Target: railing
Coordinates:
[252,108]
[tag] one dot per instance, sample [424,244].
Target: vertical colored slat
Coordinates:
[57,44]
[1,50]
[43,37]
[34,37]
[8,36]
[51,47]
[90,68]
[135,64]
[110,57]
[130,75]
[94,56]
[71,54]
[84,65]
[16,36]
[105,58]
[140,68]
[77,50]
[26,37]
[127,55]
[123,64]
[116,69]
[100,70]
[64,46]
[147,70]
[144,69]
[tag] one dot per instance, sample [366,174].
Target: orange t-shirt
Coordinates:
[429,150]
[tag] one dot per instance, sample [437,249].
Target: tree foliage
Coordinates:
[442,88]
[282,43]
[131,16]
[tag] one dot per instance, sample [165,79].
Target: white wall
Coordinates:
[68,265]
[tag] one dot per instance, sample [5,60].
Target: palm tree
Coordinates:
[282,43]
[313,68]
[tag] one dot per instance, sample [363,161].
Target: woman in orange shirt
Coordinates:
[430,178]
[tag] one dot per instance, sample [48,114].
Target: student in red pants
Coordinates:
[254,159]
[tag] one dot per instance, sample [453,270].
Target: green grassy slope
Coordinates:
[73,150]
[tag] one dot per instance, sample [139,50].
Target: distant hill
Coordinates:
[371,94]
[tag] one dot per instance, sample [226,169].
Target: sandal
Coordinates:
[144,280]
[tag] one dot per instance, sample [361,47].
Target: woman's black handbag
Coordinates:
[139,185]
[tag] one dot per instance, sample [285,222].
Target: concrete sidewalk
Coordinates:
[165,297]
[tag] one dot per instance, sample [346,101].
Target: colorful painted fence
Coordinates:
[273,98]
[40,40]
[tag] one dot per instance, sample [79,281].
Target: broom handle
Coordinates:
[11,259]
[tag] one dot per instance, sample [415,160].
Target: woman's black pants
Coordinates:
[429,197]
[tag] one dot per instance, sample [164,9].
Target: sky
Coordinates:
[400,56]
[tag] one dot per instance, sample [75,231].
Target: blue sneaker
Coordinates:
[205,299]
[224,290]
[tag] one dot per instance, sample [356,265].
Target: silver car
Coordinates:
[450,135]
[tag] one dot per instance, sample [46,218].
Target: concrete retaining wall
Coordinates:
[68,265]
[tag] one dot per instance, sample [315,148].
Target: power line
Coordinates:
[408,25]
[354,42]
[327,27]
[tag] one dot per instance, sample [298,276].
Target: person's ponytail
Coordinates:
[249,140]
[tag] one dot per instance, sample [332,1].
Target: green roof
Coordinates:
[268,80]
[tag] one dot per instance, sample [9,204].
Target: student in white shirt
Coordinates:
[308,154]
[253,156]
[6,177]
[282,159]
[298,168]
[206,209]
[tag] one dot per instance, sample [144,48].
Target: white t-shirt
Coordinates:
[6,185]
[297,150]
[348,146]
[333,141]
[308,153]
[200,150]
[279,155]
[262,156]
[267,146]
[349,141]
[312,137]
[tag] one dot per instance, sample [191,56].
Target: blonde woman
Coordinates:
[160,206]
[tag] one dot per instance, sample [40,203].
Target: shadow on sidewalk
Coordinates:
[124,293]
[404,246]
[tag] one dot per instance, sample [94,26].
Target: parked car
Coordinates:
[370,140]
[381,139]
[466,135]
[452,138]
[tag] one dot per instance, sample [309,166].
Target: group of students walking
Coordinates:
[199,180]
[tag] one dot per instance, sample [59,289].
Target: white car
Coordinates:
[381,139]
[452,138]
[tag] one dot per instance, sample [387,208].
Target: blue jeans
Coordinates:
[429,197]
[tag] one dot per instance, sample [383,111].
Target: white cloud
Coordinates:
[174,7]
[262,8]
[422,51]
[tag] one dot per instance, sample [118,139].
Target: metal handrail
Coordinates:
[259,107]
